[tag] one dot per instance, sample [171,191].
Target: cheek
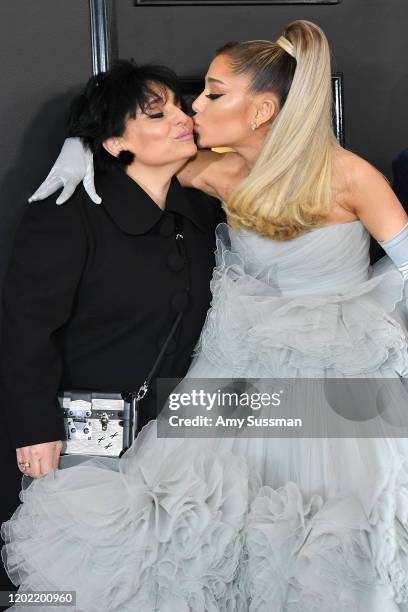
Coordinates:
[150,141]
[229,125]
[228,115]
[155,145]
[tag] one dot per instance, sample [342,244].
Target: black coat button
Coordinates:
[180,301]
[175,261]
[167,227]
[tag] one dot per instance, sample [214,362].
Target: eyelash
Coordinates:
[156,116]
[213,96]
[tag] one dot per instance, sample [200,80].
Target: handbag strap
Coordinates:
[143,389]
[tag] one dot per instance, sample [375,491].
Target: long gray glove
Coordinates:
[73,165]
[397,250]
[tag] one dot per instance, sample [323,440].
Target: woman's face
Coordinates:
[162,135]
[225,109]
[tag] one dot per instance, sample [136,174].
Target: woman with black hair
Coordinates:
[91,293]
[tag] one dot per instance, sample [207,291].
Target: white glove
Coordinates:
[73,165]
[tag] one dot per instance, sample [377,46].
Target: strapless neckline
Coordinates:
[248,232]
[318,229]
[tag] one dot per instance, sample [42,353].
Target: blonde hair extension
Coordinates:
[289,189]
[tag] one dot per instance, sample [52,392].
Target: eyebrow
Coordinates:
[212,80]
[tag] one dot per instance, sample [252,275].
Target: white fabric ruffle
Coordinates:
[268,333]
[245,525]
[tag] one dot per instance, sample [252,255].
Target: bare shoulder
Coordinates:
[368,194]
[354,172]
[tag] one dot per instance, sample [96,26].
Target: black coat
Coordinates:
[91,293]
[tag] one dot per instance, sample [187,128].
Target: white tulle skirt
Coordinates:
[240,524]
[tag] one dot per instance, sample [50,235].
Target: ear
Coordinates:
[112,145]
[266,109]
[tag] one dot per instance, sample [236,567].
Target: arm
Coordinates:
[217,174]
[39,290]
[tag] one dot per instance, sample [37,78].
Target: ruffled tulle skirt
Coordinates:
[240,524]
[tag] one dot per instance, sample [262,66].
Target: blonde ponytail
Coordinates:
[289,188]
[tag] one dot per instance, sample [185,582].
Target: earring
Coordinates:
[253,125]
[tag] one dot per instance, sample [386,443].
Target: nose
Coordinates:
[196,105]
[181,116]
[183,120]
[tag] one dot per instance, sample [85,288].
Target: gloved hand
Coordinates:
[73,165]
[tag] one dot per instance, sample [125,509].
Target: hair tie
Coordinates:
[286,45]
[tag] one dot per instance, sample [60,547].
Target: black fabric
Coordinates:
[89,298]
[92,290]
[400,177]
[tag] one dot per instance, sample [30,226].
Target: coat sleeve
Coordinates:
[40,285]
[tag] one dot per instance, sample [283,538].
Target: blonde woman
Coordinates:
[253,524]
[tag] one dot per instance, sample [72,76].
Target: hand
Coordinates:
[42,458]
[73,165]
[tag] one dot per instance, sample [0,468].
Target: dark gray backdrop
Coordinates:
[45,54]
[369,40]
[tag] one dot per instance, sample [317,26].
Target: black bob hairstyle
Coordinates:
[101,110]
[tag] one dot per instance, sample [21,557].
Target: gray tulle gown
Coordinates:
[246,524]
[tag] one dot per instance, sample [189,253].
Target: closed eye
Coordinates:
[214,96]
[156,116]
